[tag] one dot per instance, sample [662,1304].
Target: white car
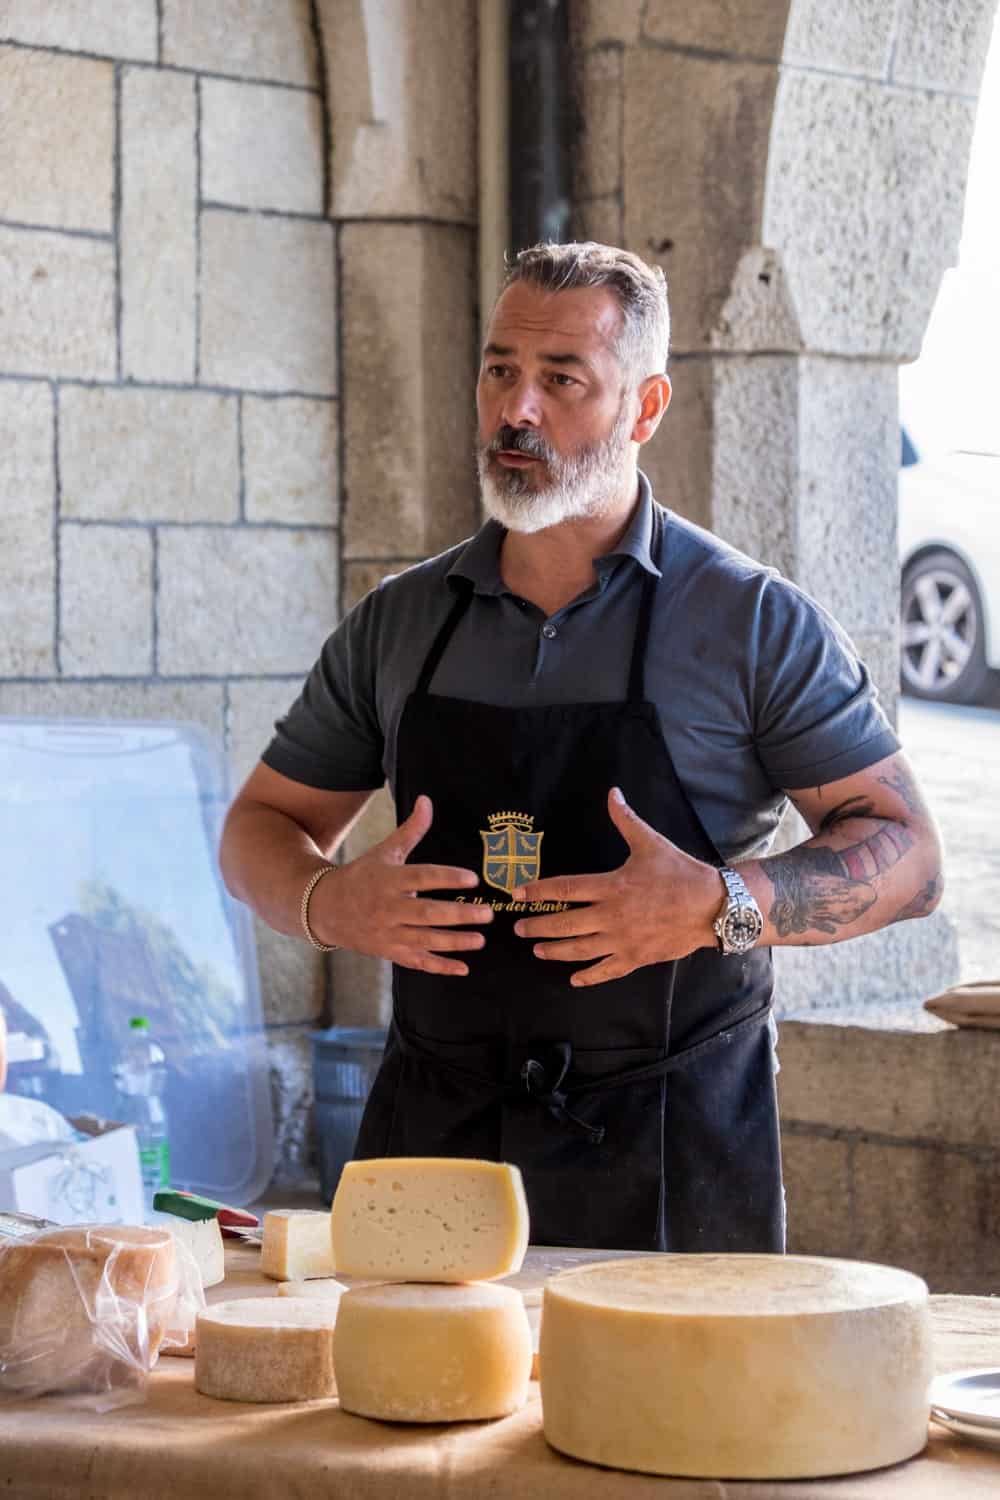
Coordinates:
[949,552]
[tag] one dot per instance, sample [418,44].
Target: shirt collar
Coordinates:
[479,559]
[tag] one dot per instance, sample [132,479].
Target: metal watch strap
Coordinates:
[736,886]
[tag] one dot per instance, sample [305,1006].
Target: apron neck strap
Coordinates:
[462,601]
[637,670]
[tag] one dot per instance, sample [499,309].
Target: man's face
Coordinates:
[554,415]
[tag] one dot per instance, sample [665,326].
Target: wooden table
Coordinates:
[180,1445]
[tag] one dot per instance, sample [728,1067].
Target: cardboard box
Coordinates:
[96,1181]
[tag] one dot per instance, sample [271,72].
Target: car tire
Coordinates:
[942,631]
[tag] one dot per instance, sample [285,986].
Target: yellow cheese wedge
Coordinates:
[266,1349]
[736,1366]
[296,1244]
[429,1219]
[411,1353]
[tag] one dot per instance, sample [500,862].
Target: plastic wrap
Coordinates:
[86,1310]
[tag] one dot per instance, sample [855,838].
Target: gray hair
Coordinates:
[641,291]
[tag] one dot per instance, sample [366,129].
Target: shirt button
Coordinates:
[550,632]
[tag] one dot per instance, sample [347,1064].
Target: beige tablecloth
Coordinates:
[180,1445]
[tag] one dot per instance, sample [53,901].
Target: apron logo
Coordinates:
[510,851]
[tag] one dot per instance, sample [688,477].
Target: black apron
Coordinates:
[641,1112]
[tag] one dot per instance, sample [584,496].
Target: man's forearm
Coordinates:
[266,861]
[857,875]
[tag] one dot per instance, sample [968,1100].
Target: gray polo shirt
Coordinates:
[757,688]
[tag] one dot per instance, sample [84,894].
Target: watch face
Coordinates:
[742,927]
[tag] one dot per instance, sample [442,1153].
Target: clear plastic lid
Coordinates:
[113,906]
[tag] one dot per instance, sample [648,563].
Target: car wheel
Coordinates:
[942,645]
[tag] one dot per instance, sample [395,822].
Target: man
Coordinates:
[585,712]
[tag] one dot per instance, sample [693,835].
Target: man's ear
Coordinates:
[654,398]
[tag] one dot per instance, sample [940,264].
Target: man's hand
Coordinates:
[658,905]
[372,905]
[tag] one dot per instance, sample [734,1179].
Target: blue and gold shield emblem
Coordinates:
[510,851]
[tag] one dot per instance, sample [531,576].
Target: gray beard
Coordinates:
[586,485]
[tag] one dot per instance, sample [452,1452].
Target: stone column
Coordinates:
[798,172]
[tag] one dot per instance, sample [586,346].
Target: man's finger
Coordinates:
[437,878]
[608,968]
[429,963]
[632,828]
[399,845]
[447,940]
[571,950]
[580,921]
[447,913]
[566,888]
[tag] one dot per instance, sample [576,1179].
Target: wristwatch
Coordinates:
[739,923]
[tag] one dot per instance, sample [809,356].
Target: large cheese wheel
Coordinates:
[296,1244]
[736,1366]
[432,1353]
[324,1289]
[429,1219]
[266,1349]
[84,1307]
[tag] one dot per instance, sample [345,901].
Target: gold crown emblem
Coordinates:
[521,821]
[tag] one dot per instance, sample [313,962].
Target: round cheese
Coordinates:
[80,1306]
[736,1366]
[432,1353]
[323,1289]
[266,1349]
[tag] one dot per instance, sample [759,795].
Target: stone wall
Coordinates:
[237,317]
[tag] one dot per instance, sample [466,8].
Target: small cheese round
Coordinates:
[422,1353]
[736,1366]
[266,1349]
[62,1289]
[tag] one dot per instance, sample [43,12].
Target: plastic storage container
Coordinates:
[113,906]
[345,1061]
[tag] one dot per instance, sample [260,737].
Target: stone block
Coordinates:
[939,1085]
[848,455]
[235,600]
[158,226]
[361,577]
[923,1208]
[361,989]
[899,965]
[248,38]
[54,173]
[27,508]
[694,175]
[678,460]
[292,979]
[757,315]
[600,169]
[253,708]
[942,44]
[148,455]
[262,147]
[749,28]
[855,38]
[105,601]
[817,1173]
[290,455]
[120,31]
[292,1093]
[189,702]
[880,654]
[409,348]
[754,452]
[268,304]
[376,823]
[57,305]
[854,166]
[403,107]
[599,219]
[610,22]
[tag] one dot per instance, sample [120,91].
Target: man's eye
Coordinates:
[558,378]
[497,372]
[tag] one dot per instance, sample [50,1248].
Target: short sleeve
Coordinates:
[817,717]
[331,738]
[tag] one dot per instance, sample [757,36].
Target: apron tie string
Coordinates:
[535,1080]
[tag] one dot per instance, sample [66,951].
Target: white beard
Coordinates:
[583,486]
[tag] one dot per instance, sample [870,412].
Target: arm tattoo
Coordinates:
[904,788]
[854,807]
[822,889]
[922,903]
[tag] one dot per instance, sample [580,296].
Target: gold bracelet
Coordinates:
[314,881]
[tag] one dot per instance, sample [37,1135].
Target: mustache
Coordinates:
[521,440]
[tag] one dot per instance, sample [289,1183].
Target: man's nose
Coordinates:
[521,405]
